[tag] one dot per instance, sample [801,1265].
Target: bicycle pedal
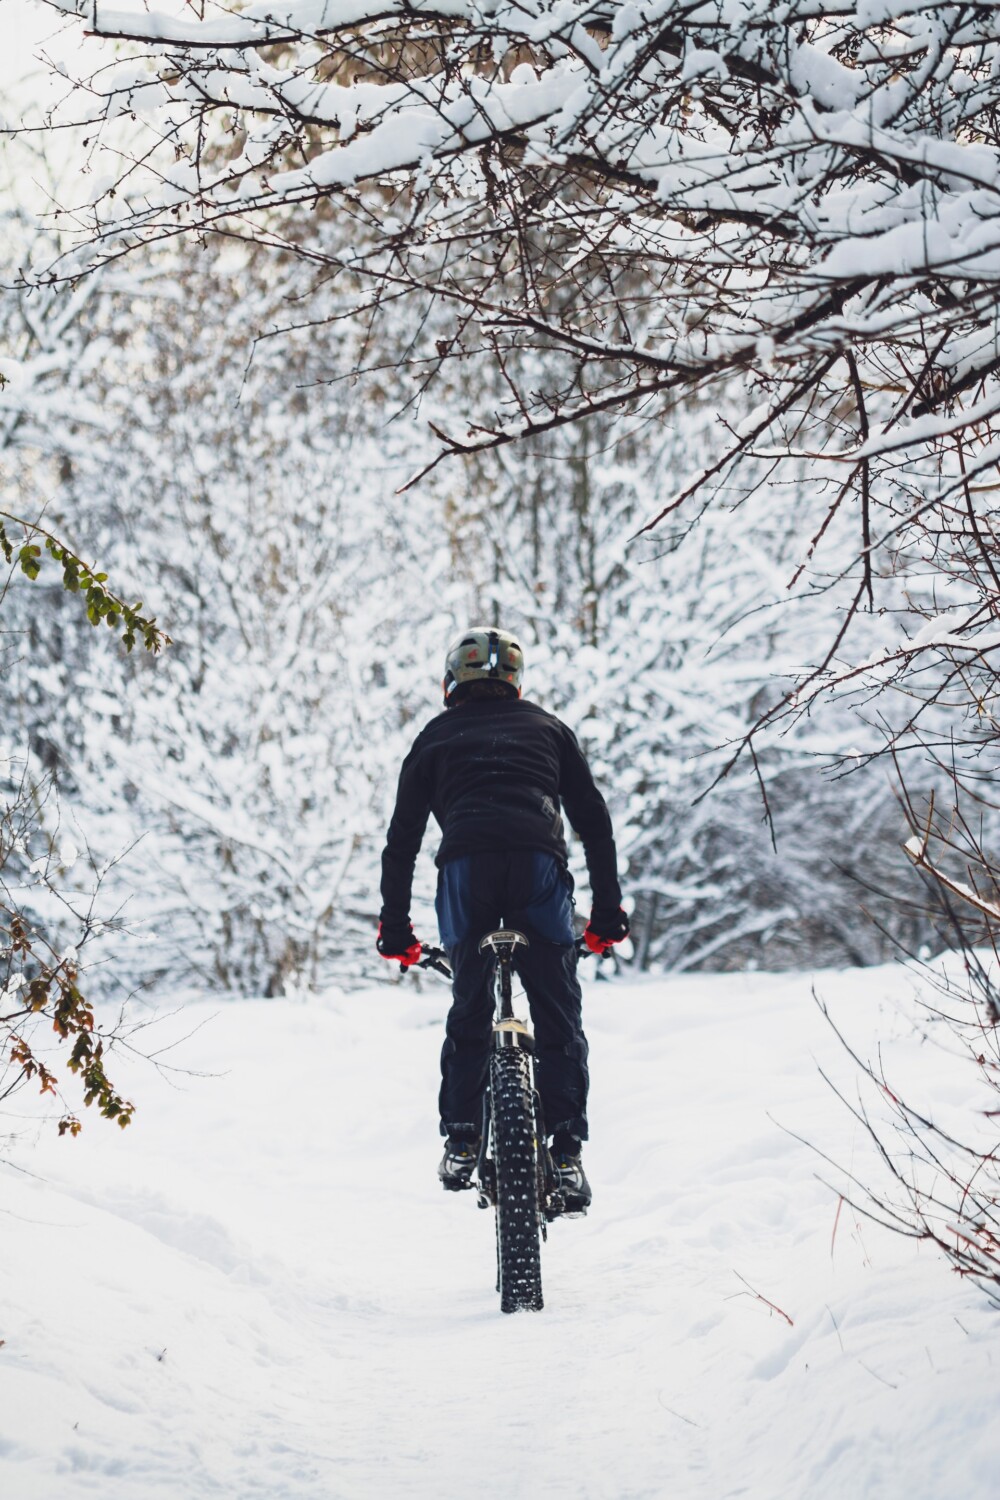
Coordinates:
[558,1208]
[456,1185]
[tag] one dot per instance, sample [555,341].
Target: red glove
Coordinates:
[604,929]
[399,945]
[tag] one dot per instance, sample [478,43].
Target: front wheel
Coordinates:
[516,1148]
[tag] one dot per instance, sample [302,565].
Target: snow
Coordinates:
[259,1289]
[442,125]
[256,24]
[943,630]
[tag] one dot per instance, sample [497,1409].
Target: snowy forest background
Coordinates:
[210,421]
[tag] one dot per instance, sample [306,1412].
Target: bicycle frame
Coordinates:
[513,1173]
[508,1031]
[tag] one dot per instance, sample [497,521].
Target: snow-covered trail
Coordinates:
[260,1291]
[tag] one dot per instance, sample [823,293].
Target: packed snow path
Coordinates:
[260,1291]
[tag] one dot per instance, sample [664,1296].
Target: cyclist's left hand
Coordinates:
[399,945]
[605,928]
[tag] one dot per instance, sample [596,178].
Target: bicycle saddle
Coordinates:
[504,941]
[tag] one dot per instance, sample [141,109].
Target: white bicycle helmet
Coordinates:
[483,654]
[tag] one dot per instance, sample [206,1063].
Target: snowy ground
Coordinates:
[260,1291]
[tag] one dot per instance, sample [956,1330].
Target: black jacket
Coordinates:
[495,773]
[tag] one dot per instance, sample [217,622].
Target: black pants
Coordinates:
[531,892]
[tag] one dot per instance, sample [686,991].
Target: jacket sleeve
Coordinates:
[403,840]
[588,813]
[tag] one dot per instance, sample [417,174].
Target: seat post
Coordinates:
[502,944]
[506,1005]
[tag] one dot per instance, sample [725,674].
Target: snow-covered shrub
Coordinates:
[309,605]
[254,500]
[249,772]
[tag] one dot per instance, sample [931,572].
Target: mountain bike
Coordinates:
[514,1173]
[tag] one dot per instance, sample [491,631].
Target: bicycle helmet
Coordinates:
[482,654]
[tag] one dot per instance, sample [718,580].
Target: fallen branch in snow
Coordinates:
[942,1188]
[752,1292]
[836,1221]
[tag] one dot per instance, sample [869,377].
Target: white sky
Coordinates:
[23,25]
[27,29]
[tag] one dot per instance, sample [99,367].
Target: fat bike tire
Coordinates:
[516,1147]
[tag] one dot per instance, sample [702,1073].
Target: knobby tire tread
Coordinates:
[516,1154]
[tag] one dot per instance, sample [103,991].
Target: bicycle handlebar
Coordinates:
[437,958]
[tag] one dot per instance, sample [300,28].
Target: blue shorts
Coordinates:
[524,888]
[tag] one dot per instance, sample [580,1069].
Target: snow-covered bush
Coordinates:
[252,768]
[255,501]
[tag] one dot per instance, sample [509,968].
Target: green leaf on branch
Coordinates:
[101,602]
[28,557]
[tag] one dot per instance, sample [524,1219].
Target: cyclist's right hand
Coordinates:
[605,928]
[398,945]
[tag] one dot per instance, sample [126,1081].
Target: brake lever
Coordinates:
[431,958]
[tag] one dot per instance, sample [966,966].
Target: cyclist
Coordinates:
[494,770]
